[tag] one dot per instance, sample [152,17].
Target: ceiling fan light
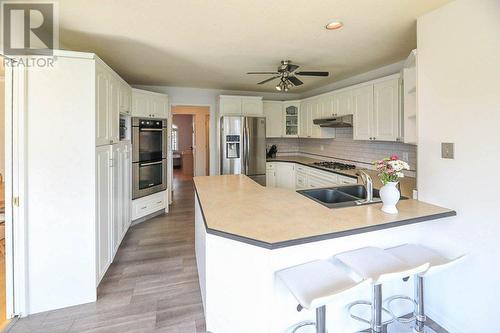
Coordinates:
[278,87]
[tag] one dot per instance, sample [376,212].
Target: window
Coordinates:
[175,137]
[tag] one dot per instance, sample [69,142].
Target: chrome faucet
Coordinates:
[368,182]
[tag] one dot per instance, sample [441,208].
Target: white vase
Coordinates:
[390,195]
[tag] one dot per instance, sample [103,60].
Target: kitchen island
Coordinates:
[246,232]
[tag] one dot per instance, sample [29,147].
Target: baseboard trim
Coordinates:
[148,217]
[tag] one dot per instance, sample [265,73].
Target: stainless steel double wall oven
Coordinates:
[149,156]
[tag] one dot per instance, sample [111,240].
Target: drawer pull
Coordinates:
[144,207]
[159,202]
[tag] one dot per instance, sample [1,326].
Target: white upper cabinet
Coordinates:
[230,106]
[326,106]
[305,119]
[362,107]
[316,112]
[311,109]
[102,110]
[291,119]
[149,104]
[251,106]
[125,98]
[342,103]
[240,106]
[273,111]
[114,110]
[376,110]
[386,110]
[113,98]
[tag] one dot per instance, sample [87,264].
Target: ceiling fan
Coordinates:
[288,76]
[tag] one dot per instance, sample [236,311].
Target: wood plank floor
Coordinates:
[152,285]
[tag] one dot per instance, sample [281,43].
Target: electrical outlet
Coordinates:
[448,150]
[321,147]
[406,158]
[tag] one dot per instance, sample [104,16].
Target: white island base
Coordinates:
[240,293]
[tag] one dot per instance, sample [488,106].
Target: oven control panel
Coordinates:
[143,123]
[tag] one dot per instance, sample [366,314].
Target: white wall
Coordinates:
[459,101]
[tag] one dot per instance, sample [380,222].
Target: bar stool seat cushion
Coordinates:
[378,265]
[315,284]
[415,255]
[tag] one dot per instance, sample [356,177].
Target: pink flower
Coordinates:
[394,157]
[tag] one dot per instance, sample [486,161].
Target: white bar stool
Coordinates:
[414,255]
[379,266]
[315,284]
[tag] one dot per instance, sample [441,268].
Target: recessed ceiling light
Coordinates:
[334,25]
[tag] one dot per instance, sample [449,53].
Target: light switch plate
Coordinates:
[447,150]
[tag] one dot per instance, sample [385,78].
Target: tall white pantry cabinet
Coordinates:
[78,178]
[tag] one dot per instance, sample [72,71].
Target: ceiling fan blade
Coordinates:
[262,73]
[312,73]
[292,67]
[295,81]
[270,79]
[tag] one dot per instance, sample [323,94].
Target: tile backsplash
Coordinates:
[343,147]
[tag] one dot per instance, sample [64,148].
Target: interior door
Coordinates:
[255,144]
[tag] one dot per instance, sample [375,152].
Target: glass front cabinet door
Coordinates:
[291,120]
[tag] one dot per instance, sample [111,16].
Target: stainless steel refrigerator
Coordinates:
[243,147]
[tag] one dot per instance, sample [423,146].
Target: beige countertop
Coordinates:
[234,206]
[407,184]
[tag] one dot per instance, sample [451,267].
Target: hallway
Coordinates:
[152,285]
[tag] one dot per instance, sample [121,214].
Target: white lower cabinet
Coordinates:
[103,197]
[298,177]
[317,178]
[147,205]
[113,201]
[270,174]
[285,175]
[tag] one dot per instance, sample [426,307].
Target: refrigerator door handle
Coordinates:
[244,160]
[247,153]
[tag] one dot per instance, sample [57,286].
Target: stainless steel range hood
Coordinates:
[335,122]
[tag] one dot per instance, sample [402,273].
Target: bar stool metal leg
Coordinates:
[419,300]
[321,319]
[376,324]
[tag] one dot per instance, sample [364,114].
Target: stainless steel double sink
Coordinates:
[342,196]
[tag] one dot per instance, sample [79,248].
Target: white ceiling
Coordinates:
[213,43]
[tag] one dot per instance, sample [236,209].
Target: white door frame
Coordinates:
[15,190]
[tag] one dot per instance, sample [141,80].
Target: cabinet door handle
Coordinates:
[144,207]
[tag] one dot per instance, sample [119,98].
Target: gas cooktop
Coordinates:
[335,165]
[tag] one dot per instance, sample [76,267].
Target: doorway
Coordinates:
[182,145]
[190,142]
